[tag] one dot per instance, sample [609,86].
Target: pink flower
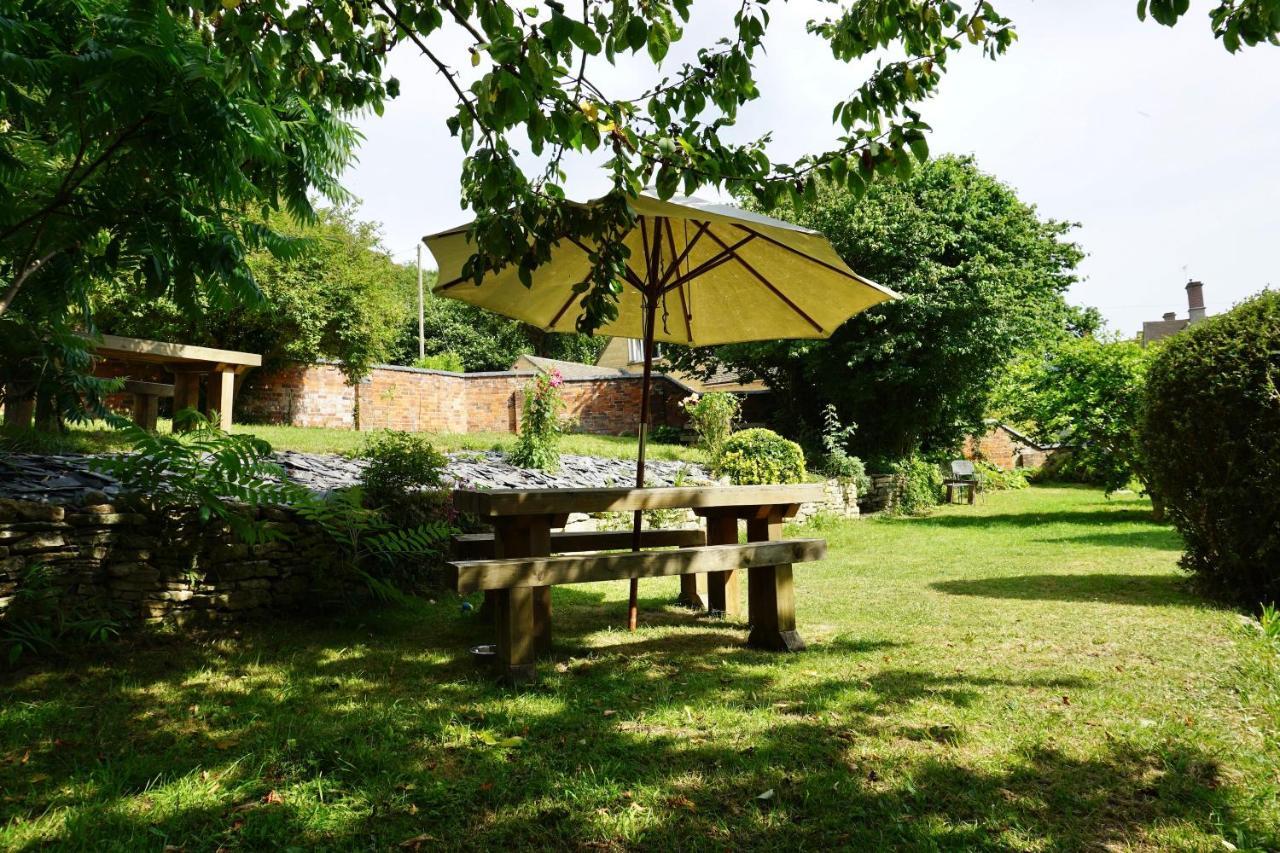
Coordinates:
[556,379]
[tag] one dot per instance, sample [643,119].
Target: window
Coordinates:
[635,351]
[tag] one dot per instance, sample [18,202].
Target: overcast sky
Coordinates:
[1157,141]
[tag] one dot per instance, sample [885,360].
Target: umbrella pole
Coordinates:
[650,311]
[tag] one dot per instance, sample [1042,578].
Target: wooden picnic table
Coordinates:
[520,570]
[189,364]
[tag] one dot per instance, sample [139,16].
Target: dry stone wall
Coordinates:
[71,541]
[133,563]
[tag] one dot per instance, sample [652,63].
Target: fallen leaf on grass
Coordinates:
[273,798]
[766,796]
[417,841]
[610,712]
[679,801]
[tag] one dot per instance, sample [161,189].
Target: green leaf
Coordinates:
[659,42]
[637,33]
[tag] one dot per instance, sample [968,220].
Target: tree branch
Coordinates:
[11,292]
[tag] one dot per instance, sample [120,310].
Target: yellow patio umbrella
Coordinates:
[700,274]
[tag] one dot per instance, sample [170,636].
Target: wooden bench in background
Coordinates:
[146,401]
[516,570]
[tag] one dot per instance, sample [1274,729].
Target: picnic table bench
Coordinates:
[518,563]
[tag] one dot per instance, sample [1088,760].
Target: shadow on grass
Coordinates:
[1085,518]
[1159,540]
[367,731]
[1152,590]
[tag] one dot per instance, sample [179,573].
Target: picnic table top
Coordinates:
[140,349]
[490,503]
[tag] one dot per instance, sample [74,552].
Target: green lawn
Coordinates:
[1027,674]
[98,438]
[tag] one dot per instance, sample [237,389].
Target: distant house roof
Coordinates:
[1155,330]
[568,369]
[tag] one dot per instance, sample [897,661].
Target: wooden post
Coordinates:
[723,596]
[523,614]
[771,595]
[18,412]
[186,394]
[221,397]
[146,408]
[689,595]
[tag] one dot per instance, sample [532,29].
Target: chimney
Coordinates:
[1195,300]
[1169,316]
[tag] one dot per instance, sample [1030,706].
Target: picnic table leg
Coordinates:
[516,640]
[521,636]
[146,408]
[689,595]
[722,587]
[771,598]
[186,395]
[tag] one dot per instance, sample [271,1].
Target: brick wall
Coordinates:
[410,399]
[1006,449]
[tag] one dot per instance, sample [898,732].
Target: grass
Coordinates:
[97,438]
[1027,674]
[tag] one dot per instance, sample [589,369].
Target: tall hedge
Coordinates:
[1211,435]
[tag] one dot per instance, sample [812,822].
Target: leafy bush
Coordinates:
[712,417]
[214,472]
[837,462]
[665,434]
[1211,436]
[399,463]
[449,361]
[760,456]
[992,478]
[918,486]
[540,429]
[1090,391]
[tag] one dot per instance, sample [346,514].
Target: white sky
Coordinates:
[1160,143]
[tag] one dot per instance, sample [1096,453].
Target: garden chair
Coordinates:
[963,479]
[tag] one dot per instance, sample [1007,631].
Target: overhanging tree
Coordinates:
[982,278]
[137,130]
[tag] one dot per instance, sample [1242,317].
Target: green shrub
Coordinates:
[836,460]
[760,456]
[1211,438]
[399,463]
[992,478]
[917,486]
[540,429]
[449,361]
[712,417]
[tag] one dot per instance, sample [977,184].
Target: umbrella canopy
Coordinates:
[699,274]
[724,275]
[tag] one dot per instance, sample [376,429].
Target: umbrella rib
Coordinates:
[684,305]
[711,263]
[688,247]
[563,308]
[631,278]
[776,292]
[795,251]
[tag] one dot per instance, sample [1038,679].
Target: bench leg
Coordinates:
[186,395]
[542,619]
[516,636]
[723,596]
[488,612]
[973,494]
[146,408]
[773,609]
[689,595]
